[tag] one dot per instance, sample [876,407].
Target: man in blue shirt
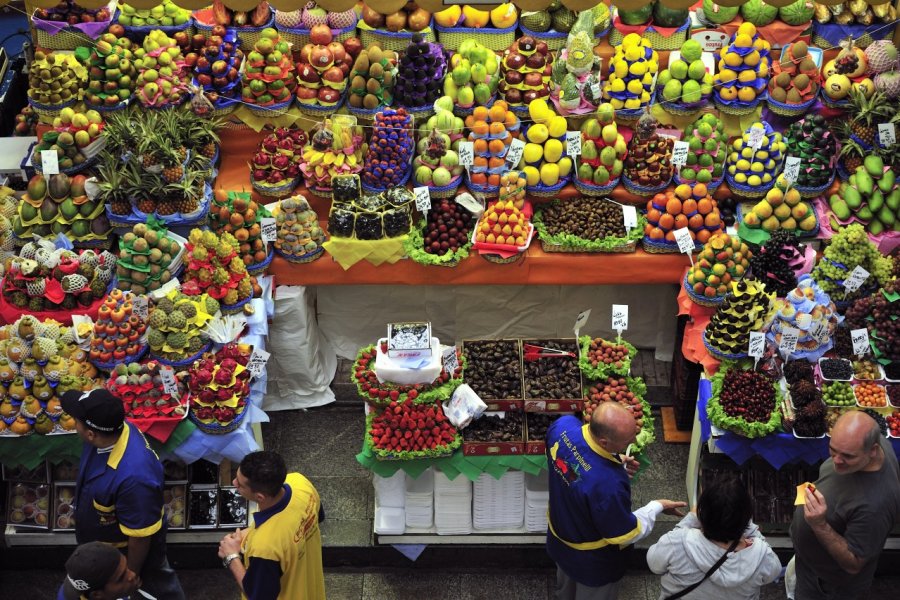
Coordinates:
[97,571]
[119,494]
[590,522]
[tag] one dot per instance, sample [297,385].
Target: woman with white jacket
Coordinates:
[721,525]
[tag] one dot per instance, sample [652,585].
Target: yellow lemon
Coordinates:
[747,28]
[549,174]
[553,150]
[538,133]
[763,70]
[621,69]
[632,103]
[616,103]
[645,97]
[557,126]
[638,68]
[539,110]
[743,41]
[632,39]
[565,166]
[743,165]
[727,75]
[634,53]
[757,167]
[747,76]
[739,143]
[533,153]
[532,175]
[647,79]
[747,94]
[740,177]
[635,86]
[754,181]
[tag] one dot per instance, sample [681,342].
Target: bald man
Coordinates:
[840,531]
[590,518]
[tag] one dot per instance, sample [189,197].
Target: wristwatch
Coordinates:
[227,560]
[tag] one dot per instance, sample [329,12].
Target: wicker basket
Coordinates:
[589,189]
[237,307]
[48,112]
[701,300]
[640,190]
[623,249]
[68,38]
[737,108]
[280,191]
[790,110]
[555,40]
[718,353]
[137,34]
[390,40]
[446,191]
[318,111]
[496,258]
[488,191]
[299,37]
[365,116]
[273,110]
[260,268]
[662,247]
[497,40]
[680,109]
[247,35]
[547,191]
[745,191]
[842,104]
[215,428]
[808,193]
[302,259]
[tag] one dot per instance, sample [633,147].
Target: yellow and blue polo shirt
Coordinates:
[119,492]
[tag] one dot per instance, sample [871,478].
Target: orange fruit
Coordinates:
[648,228]
[681,221]
[667,221]
[683,191]
[653,215]
[510,120]
[712,220]
[470,119]
[704,206]
[478,178]
[670,237]
[673,206]
[501,103]
[480,113]
[494,162]
[728,93]
[493,180]
[497,128]
[480,127]
[507,141]
[497,114]
[496,146]
[656,233]
[700,190]
[689,206]
[480,161]
[695,222]
[480,146]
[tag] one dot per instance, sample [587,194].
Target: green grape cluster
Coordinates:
[850,247]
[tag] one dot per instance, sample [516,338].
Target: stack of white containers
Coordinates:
[499,503]
[390,499]
[452,505]
[420,500]
[537,498]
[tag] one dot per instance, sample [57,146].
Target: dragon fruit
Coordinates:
[882,56]
[313,16]
[342,20]
[420,73]
[889,84]
[289,18]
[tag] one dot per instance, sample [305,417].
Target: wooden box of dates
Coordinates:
[232,508]
[495,434]
[536,425]
[29,505]
[63,507]
[203,507]
[174,504]
[551,376]
[494,372]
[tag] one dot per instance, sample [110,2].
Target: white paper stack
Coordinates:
[390,497]
[420,500]
[452,505]
[537,497]
[499,503]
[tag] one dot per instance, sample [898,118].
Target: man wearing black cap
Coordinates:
[97,571]
[119,495]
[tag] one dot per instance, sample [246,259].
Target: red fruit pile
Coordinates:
[142,392]
[893,423]
[607,353]
[215,61]
[614,389]
[748,395]
[277,159]
[322,70]
[220,384]
[117,331]
[448,227]
[411,427]
[381,393]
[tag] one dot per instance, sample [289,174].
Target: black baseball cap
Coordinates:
[90,568]
[98,409]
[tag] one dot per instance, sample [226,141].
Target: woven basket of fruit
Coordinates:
[547,191]
[555,40]
[392,40]
[66,26]
[711,187]
[318,110]
[263,17]
[49,111]
[589,189]
[276,191]
[747,191]
[604,231]
[715,352]
[303,258]
[790,110]
[497,40]
[300,36]
[680,109]
[697,298]
[737,107]
[640,190]
[657,40]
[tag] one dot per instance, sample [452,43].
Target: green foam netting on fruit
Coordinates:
[570,240]
[720,419]
[602,371]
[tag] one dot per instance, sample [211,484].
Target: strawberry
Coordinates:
[407,434]
[394,394]
[420,424]
[382,394]
[373,393]
[413,394]
[436,431]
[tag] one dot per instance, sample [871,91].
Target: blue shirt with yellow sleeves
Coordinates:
[119,492]
[589,517]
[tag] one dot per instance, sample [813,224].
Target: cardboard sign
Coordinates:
[680,153]
[423,199]
[257,362]
[619,317]
[887,134]
[581,321]
[573,143]
[789,338]
[860,339]
[856,279]
[170,384]
[514,154]
[756,136]
[140,307]
[791,169]
[49,162]
[268,229]
[466,153]
[451,362]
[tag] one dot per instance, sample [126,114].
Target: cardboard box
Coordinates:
[64,472]
[497,448]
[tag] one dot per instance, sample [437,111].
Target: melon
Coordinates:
[758,12]
[714,13]
[668,17]
[797,13]
[636,17]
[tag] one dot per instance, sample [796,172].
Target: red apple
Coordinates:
[320,34]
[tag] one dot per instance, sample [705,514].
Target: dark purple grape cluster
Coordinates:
[771,265]
[836,368]
[882,422]
[843,345]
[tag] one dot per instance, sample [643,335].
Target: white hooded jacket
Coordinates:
[684,555]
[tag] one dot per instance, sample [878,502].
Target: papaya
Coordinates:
[876,201]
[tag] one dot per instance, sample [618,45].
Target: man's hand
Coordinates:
[230,544]
[670,507]
[631,465]
[815,509]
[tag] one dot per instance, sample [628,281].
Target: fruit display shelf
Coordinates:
[176,220]
[204,21]
[629,392]
[61,35]
[381,394]
[718,414]
[300,36]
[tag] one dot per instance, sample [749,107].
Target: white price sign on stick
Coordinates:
[140,307]
[685,242]
[451,362]
[856,279]
[629,217]
[789,338]
[757,346]
[860,339]
[49,162]
[819,331]
[573,143]
[887,134]
[580,321]
[791,169]
[170,384]
[257,362]
[466,151]
[756,136]
[680,153]
[514,154]
[423,199]
[268,230]
[619,318]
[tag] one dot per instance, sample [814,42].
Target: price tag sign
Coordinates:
[595,89]
[581,321]
[789,337]
[268,229]
[629,217]
[423,199]
[791,169]
[619,317]
[756,137]
[140,307]
[860,339]
[573,143]
[757,345]
[49,162]
[856,279]
[451,362]
[514,154]
[170,384]
[257,362]
[685,242]
[466,151]
[887,134]
[680,153]
[819,331]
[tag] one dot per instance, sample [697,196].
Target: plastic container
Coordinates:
[819,369]
[883,391]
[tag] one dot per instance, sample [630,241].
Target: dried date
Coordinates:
[493,428]
[538,424]
[588,219]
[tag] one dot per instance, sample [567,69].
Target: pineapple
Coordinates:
[866,114]
[852,153]
[173,167]
[175,131]
[185,194]
[113,185]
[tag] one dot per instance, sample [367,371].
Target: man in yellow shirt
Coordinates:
[279,556]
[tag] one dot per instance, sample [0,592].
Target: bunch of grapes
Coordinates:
[884,326]
[773,264]
[849,248]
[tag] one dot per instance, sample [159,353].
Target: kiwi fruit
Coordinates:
[801,81]
[783,80]
[779,94]
[355,100]
[793,97]
[375,55]
[370,101]
[808,65]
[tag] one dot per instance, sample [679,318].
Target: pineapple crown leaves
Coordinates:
[112,182]
[189,186]
[871,110]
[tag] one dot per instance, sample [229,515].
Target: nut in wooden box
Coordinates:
[551,376]
[494,372]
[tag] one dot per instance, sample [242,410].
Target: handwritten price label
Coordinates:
[573,143]
[860,339]
[466,153]
[684,241]
[680,153]
[756,136]
[268,229]
[620,317]
[819,331]
[451,362]
[791,169]
[140,307]
[887,134]
[789,338]
[170,384]
[856,279]
[49,162]
[757,345]
[257,362]
[629,217]
[423,199]
[580,321]
[595,89]
[514,154]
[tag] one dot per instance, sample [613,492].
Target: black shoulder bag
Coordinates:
[712,570]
